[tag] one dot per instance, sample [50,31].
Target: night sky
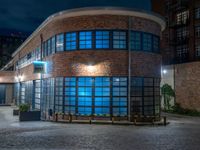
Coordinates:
[27,15]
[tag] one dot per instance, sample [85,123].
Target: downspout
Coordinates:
[129,68]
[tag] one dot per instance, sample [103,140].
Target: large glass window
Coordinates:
[102,96]
[85,95]
[136,41]
[119,40]
[119,96]
[70,95]
[85,40]
[102,39]
[60,42]
[147,42]
[59,95]
[71,41]
[37,94]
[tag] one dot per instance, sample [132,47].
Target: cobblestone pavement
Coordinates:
[183,133]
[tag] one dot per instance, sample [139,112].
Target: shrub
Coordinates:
[24,107]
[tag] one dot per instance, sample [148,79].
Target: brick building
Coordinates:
[181,48]
[102,61]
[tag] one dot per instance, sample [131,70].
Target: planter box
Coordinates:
[15,112]
[29,116]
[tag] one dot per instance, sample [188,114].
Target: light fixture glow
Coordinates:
[164,71]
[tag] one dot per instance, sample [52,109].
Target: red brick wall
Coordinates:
[187,85]
[7,77]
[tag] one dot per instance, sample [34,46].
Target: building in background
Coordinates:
[9,42]
[102,61]
[181,48]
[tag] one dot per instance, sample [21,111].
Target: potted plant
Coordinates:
[26,115]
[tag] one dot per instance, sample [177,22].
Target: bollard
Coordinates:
[70,118]
[165,120]
[113,119]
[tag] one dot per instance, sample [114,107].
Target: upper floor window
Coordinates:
[197,31]
[60,42]
[197,13]
[119,40]
[135,40]
[53,44]
[147,42]
[71,41]
[182,33]
[182,51]
[48,47]
[85,40]
[156,44]
[102,39]
[182,17]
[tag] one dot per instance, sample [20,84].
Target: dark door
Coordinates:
[2,94]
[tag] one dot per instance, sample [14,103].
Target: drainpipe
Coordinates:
[129,68]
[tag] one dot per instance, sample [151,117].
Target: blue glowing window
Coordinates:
[70,81]
[84,91]
[156,44]
[70,91]
[87,81]
[102,39]
[102,81]
[85,110]
[102,111]
[147,42]
[119,81]
[70,101]
[85,40]
[102,91]
[71,110]
[119,91]
[136,41]
[102,101]
[85,101]
[60,42]
[119,40]
[71,41]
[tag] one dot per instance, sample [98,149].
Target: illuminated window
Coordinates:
[60,42]
[119,94]
[197,13]
[71,41]
[102,39]
[59,94]
[70,95]
[136,41]
[102,95]
[147,42]
[182,17]
[85,95]
[182,51]
[85,40]
[119,40]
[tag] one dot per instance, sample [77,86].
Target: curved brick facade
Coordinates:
[97,74]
